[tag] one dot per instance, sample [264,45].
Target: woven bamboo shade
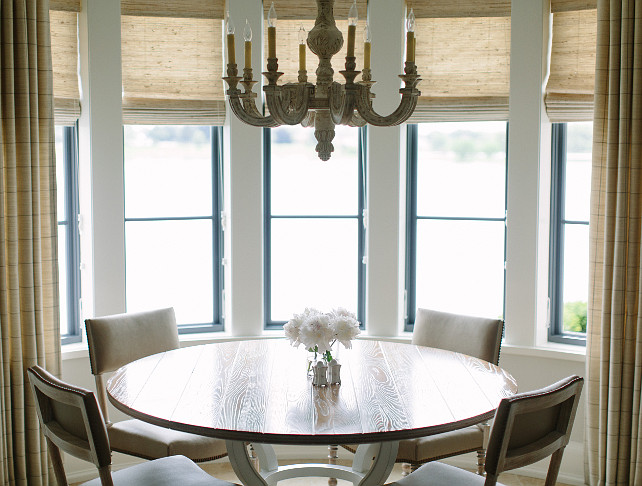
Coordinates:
[572,5]
[464,63]
[65,5]
[197,9]
[569,91]
[436,9]
[172,63]
[307,9]
[64,54]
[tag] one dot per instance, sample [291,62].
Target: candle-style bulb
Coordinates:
[303,35]
[410,24]
[271,18]
[247,31]
[229,25]
[367,33]
[353,14]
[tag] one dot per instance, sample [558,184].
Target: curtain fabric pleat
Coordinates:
[29,301]
[463,58]
[172,62]
[614,336]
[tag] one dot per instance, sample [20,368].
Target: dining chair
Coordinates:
[120,339]
[528,427]
[71,421]
[475,336]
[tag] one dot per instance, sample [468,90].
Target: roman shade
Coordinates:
[570,86]
[172,64]
[463,58]
[63,17]
[291,15]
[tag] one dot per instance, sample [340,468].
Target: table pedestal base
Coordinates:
[371,465]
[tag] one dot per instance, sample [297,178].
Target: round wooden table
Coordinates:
[258,392]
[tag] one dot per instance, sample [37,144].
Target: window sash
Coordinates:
[556,331]
[217,239]
[267,230]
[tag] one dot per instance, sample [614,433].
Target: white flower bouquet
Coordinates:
[318,331]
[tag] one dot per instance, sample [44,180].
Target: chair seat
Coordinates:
[168,471]
[148,441]
[440,474]
[441,445]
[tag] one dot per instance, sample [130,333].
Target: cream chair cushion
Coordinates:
[441,445]
[440,474]
[168,471]
[150,441]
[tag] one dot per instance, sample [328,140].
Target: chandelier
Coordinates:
[327,103]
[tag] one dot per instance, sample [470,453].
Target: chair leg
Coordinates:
[254,458]
[56,460]
[481,462]
[554,467]
[333,455]
[407,468]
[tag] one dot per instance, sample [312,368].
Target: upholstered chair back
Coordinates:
[475,336]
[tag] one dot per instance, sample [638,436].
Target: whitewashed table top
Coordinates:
[258,391]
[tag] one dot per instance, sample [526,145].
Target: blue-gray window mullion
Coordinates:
[267,229]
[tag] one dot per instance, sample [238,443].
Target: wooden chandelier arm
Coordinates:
[289,104]
[409,97]
[247,112]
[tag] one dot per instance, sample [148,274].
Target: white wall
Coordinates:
[525,353]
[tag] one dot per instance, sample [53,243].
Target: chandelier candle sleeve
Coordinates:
[367,46]
[353,17]
[410,38]
[247,35]
[302,38]
[231,54]
[272,31]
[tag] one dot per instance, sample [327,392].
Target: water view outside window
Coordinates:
[460,217]
[575,222]
[169,221]
[313,223]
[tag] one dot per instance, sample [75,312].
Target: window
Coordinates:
[173,237]
[456,218]
[68,235]
[570,198]
[314,233]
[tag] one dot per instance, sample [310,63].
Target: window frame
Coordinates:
[71,224]
[410,291]
[556,333]
[268,323]
[218,307]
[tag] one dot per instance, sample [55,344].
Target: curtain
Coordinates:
[29,322]
[614,338]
